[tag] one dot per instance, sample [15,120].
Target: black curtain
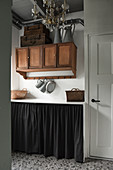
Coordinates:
[49,129]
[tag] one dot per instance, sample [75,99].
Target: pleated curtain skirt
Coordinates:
[49,129]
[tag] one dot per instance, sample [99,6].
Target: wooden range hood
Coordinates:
[53,61]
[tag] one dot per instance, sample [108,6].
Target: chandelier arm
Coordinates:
[34,2]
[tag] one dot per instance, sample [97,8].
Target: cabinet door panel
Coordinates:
[64,59]
[35,60]
[49,56]
[22,58]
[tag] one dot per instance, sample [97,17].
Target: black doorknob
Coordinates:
[95,101]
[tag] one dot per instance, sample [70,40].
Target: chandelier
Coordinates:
[55,13]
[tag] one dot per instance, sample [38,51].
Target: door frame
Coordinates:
[87,93]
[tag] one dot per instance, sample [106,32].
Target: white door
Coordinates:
[101,95]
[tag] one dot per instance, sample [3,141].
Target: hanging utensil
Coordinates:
[50,86]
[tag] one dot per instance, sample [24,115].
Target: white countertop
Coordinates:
[45,101]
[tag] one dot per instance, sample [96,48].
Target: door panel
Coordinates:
[22,58]
[101,88]
[64,59]
[35,60]
[49,56]
[104,116]
[104,60]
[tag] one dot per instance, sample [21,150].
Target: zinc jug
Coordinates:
[57,36]
[68,35]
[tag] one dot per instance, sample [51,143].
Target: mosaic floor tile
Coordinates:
[22,161]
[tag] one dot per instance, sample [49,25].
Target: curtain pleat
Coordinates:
[49,129]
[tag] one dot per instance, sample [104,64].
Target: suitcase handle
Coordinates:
[38,37]
[31,28]
[33,42]
[27,38]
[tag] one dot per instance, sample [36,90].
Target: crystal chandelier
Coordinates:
[35,12]
[55,13]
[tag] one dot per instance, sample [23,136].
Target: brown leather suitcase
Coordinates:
[35,29]
[33,40]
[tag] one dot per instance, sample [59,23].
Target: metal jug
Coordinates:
[57,36]
[68,35]
[39,83]
[43,87]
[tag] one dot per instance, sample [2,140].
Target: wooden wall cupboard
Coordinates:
[28,58]
[52,57]
[64,58]
[49,56]
[22,58]
[35,57]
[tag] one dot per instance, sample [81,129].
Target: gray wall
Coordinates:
[98,16]
[5,47]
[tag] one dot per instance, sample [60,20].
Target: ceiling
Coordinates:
[23,7]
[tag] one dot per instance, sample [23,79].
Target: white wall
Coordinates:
[62,85]
[5,109]
[15,44]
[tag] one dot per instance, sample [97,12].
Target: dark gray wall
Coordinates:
[5,113]
[98,16]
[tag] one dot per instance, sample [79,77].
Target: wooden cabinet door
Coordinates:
[35,57]
[49,56]
[64,55]
[22,58]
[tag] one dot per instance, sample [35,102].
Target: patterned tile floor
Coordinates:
[22,161]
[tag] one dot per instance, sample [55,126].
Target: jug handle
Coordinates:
[62,32]
[73,29]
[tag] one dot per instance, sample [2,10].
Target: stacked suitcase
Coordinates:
[35,35]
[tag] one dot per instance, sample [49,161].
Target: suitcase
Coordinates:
[33,40]
[35,29]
